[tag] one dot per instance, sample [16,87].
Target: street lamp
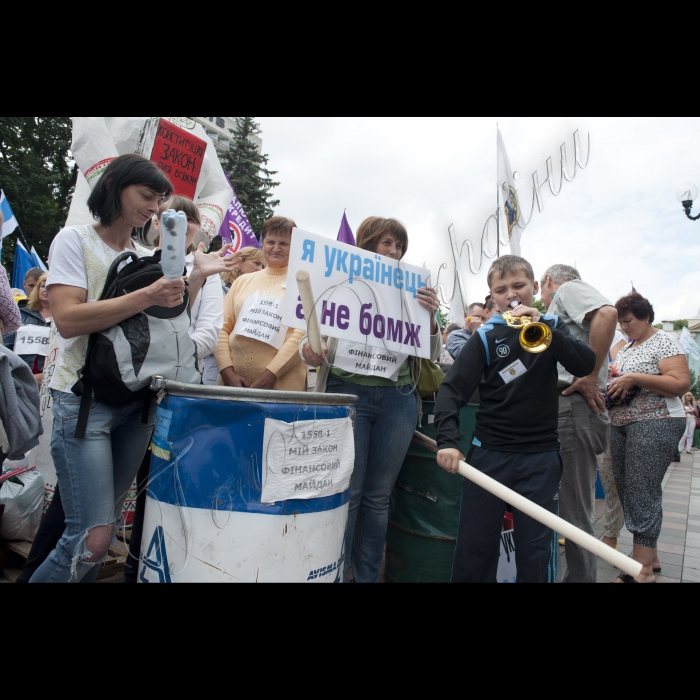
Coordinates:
[687,194]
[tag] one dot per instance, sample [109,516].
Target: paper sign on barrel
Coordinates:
[360,297]
[307,460]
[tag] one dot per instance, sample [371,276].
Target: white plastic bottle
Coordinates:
[173,235]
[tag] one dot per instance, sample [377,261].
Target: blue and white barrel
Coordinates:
[205,521]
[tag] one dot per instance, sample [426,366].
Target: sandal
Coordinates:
[626,579]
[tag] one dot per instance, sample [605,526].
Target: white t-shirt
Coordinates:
[207,315]
[645,359]
[79,258]
[619,338]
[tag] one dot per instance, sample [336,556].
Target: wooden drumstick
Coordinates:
[309,304]
[553,522]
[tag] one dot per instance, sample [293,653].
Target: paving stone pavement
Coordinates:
[679,545]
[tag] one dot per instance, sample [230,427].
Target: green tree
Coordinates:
[677,325]
[38,177]
[694,385]
[246,168]
[443,317]
[539,305]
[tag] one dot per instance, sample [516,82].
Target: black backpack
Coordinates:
[122,361]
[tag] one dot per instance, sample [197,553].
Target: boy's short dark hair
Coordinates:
[510,263]
[105,201]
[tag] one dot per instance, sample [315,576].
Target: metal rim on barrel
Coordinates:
[223,393]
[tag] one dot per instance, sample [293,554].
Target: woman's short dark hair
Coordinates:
[105,200]
[278,224]
[637,305]
[372,229]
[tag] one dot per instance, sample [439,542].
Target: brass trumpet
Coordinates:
[535,337]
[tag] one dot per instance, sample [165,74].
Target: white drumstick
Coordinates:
[309,304]
[553,522]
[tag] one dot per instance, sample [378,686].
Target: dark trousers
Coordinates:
[134,560]
[537,478]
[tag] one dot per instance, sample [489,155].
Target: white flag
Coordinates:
[509,213]
[689,346]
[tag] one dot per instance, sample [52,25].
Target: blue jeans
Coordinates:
[386,420]
[95,475]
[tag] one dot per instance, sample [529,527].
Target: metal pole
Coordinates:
[498,191]
[26,244]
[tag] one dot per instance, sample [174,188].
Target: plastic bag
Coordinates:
[23,507]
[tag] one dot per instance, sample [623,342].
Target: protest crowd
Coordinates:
[602,395]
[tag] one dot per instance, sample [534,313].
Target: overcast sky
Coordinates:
[619,220]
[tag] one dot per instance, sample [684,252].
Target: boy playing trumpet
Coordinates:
[516,440]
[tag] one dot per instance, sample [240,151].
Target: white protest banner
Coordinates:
[306,460]
[260,320]
[32,340]
[360,297]
[357,358]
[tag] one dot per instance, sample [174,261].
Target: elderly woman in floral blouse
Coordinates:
[648,421]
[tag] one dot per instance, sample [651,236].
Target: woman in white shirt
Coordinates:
[208,308]
[649,420]
[691,418]
[95,473]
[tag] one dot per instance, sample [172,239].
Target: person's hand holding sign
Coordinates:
[311,358]
[428,299]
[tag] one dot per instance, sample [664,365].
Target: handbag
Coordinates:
[430,378]
[619,402]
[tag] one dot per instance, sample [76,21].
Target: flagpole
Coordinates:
[498,192]
[26,244]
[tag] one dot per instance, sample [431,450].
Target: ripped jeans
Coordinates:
[95,475]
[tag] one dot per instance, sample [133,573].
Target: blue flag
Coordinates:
[10,222]
[23,263]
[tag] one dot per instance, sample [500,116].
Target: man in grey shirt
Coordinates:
[584,426]
[473,320]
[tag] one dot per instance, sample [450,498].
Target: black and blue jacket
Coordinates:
[519,409]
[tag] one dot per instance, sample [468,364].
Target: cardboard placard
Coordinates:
[360,297]
[180,156]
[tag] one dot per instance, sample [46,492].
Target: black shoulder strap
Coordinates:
[110,282]
[85,384]
[84,414]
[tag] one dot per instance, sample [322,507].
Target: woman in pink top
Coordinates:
[10,319]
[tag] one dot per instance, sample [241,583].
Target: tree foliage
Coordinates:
[38,177]
[677,325]
[694,385]
[539,305]
[246,168]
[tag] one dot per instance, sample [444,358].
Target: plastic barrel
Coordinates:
[205,522]
[425,508]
